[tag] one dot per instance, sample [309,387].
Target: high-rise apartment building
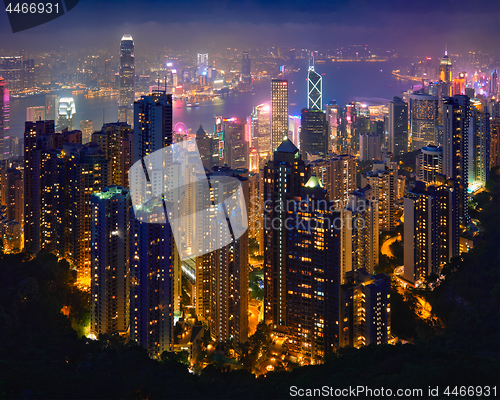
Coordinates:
[155,279]
[423,114]
[370,146]
[222,275]
[365,313]
[279,112]
[110,261]
[115,140]
[456,116]
[429,163]
[152,124]
[431,229]
[314,132]
[398,126]
[284,177]
[479,147]
[338,176]
[313,262]
[127,80]
[360,232]
[495,142]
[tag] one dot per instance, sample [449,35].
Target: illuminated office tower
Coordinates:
[431,229]
[370,146]
[445,75]
[37,136]
[28,74]
[284,177]
[495,142]
[202,64]
[35,113]
[360,232]
[152,123]
[429,163]
[88,172]
[383,181]
[235,143]
[279,112]
[246,76]
[456,115]
[459,83]
[261,132]
[398,126]
[87,128]
[127,80]
[479,147]
[314,89]
[365,313]
[338,175]
[66,113]
[313,132]
[115,140]
[294,128]
[222,275]
[110,261]
[333,114]
[423,114]
[494,82]
[51,107]
[4,117]
[313,261]
[154,276]
[11,70]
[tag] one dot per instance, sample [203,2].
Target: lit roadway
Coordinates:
[253,316]
[386,246]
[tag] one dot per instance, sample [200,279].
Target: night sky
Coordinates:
[408,26]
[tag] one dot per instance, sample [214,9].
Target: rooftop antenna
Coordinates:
[103,116]
[446,49]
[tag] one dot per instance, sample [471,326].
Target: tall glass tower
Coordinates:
[314,89]
[127,80]
[279,112]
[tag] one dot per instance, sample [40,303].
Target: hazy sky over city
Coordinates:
[408,26]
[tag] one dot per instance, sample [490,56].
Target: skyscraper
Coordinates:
[279,112]
[429,163]
[370,146]
[66,113]
[284,177]
[202,64]
[11,70]
[365,313]
[431,229]
[423,115]
[445,75]
[154,275]
[4,117]
[338,176]
[479,146]
[360,232]
[152,123]
[314,89]
[87,128]
[398,126]
[51,107]
[127,80]
[261,132]
[314,132]
[35,113]
[115,140]
[459,83]
[235,143]
[313,259]
[246,76]
[222,275]
[456,115]
[110,261]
